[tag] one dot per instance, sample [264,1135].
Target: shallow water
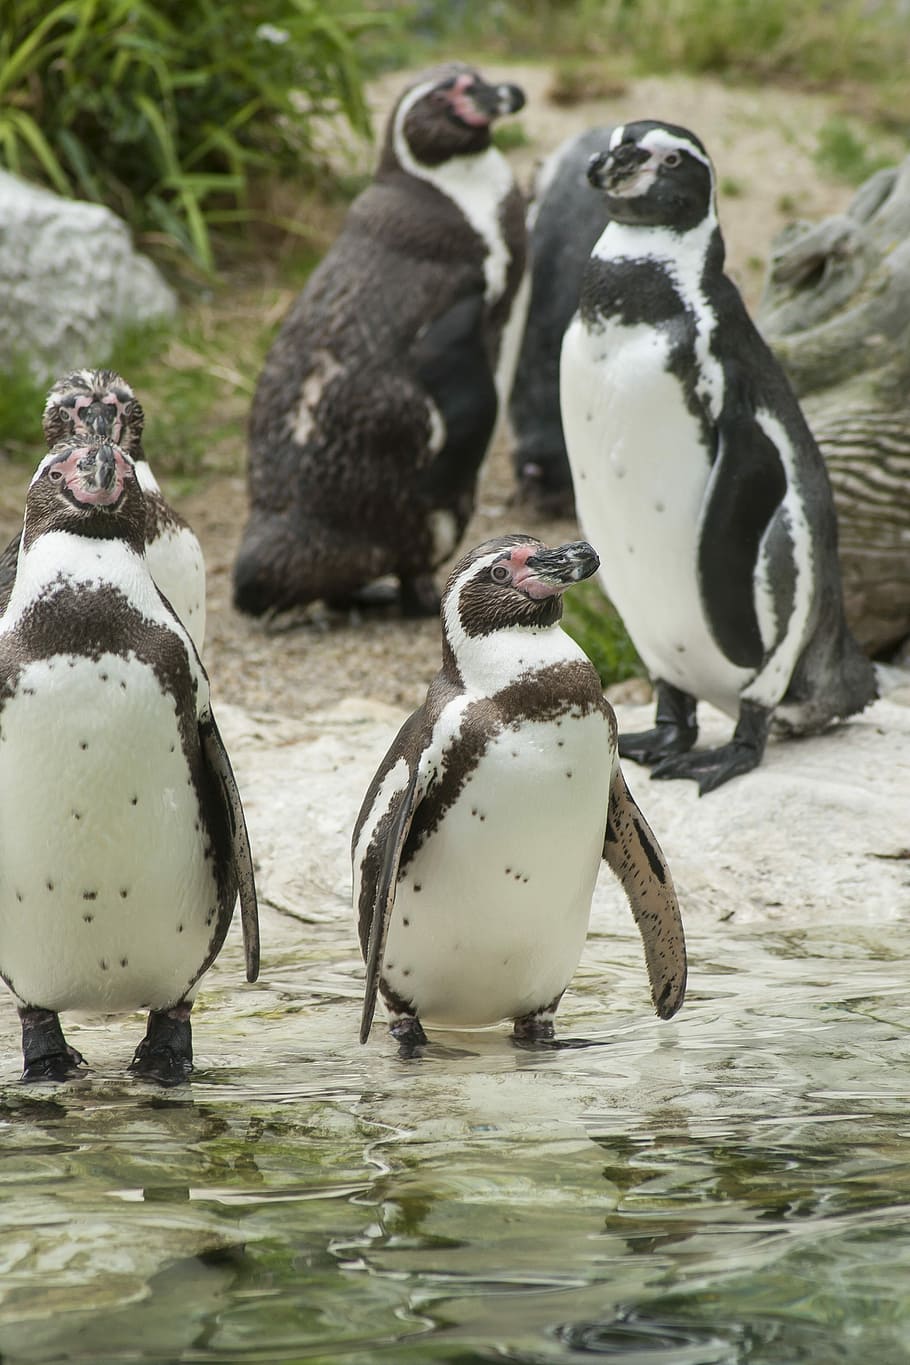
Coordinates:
[733,1186]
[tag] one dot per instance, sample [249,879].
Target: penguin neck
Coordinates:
[689,257]
[60,557]
[476,184]
[483,665]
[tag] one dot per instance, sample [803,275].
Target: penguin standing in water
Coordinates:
[480,838]
[379,397]
[123,844]
[697,476]
[101,403]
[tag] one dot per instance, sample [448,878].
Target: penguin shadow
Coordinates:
[429,1050]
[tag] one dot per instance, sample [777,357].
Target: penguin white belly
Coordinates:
[640,473]
[492,912]
[107,901]
[175,562]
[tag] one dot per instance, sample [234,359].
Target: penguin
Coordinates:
[378,400]
[479,841]
[564,221]
[101,402]
[123,845]
[697,475]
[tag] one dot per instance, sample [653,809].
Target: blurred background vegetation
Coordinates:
[204,124]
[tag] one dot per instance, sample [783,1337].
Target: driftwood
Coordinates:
[836,310]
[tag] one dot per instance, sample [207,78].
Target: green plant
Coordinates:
[166,111]
[592,621]
[845,153]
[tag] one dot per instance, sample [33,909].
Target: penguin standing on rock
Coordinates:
[479,841]
[101,403]
[379,397]
[695,472]
[122,838]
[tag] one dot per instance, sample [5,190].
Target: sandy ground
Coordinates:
[763,149]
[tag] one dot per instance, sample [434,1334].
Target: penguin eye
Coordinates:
[55,474]
[672,159]
[500,573]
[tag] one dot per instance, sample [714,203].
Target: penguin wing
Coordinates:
[451,363]
[634,855]
[747,486]
[382,892]
[223,785]
[9,561]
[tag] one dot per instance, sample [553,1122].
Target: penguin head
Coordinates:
[655,175]
[512,581]
[87,485]
[94,403]
[447,112]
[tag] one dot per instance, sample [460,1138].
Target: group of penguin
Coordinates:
[123,846]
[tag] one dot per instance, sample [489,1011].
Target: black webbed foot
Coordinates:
[419,596]
[674,732]
[46,1054]
[711,768]
[165,1054]
[410,1035]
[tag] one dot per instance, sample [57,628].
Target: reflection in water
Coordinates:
[732,1187]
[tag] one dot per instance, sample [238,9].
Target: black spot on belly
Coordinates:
[88,918]
[102,963]
[124,962]
[134,800]
[90,895]
[83,744]
[50,885]
[405,921]
[19,897]
[179,928]
[103,677]
[123,893]
[417,886]
[77,814]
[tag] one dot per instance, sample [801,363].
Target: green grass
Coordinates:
[594,623]
[847,154]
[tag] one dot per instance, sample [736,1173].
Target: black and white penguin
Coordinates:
[696,474]
[122,838]
[379,397]
[101,403]
[564,221]
[479,841]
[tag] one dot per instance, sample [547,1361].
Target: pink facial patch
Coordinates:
[463,104]
[93,475]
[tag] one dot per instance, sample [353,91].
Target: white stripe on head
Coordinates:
[477,184]
[661,140]
[616,137]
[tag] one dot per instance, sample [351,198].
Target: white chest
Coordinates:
[640,471]
[491,914]
[175,562]
[107,900]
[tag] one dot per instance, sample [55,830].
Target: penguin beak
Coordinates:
[476,103]
[612,170]
[552,571]
[94,474]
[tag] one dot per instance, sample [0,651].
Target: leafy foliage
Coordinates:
[166,110]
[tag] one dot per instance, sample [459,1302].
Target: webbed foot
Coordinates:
[711,768]
[165,1054]
[46,1054]
[674,732]
[408,1030]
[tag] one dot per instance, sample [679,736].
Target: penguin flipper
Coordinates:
[634,855]
[224,785]
[452,365]
[747,487]
[383,900]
